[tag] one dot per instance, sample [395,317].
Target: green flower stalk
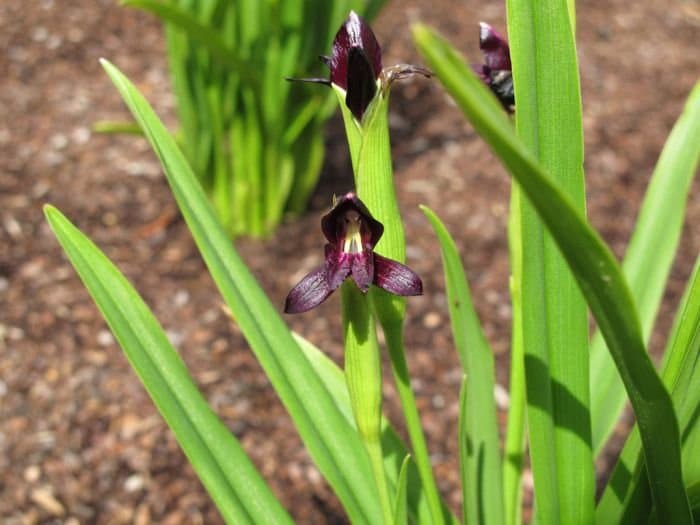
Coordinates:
[352,233]
[362,86]
[363,376]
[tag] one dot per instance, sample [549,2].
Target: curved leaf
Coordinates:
[234,484]
[594,266]
[329,438]
[626,497]
[480,458]
[649,257]
[555,322]
[394,448]
[202,33]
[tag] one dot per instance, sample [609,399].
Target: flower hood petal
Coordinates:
[333,223]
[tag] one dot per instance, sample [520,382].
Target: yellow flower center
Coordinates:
[352,243]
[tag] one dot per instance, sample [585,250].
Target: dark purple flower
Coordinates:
[496,72]
[356,65]
[352,234]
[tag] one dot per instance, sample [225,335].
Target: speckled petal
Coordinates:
[395,277]
[363,270]
[338,266]
[311,291]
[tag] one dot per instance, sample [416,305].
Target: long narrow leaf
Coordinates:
[392,445]
[234,484]
[626,497]
[555,322]
[400,513]
[481,477]
[594,266]
[197,31]
[329,438]
[649,257]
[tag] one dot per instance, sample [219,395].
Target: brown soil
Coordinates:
[80,441]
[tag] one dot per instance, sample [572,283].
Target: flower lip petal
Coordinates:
[363,270]
[338,266]
[333,223]
[396,278]
[311,291]
[495,48]
[354,33]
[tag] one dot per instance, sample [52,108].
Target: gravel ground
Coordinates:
[80,441]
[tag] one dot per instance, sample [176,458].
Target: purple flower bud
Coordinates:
[496,71]
[352,234]
[356,52]
[356,66]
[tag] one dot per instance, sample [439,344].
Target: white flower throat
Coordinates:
[352,243]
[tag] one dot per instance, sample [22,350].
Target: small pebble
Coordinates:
[45,498]
[134,483]
[432,320]
[32,473]
[105,338]
[438,401]
[502,397]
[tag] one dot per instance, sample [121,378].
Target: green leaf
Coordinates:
[481,465]
[110,127]
[598,274]
[626,497]
[400,515]
[370,152]
[363,376]
[649,257]
[330,440]
[694,496]
[555,322]
[197,31]
[234,484]
[392,445]
[514,447]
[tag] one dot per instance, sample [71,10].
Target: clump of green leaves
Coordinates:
[561,269]
[254,140]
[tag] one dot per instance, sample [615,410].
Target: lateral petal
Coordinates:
[311,291]
[338,266]
[395,277]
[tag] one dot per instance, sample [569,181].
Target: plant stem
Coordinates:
[376,457]
[363,375]
[514,449]
[393,334]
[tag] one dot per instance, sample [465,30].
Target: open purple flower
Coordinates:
[352,234]
[496,72]
[356,66]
